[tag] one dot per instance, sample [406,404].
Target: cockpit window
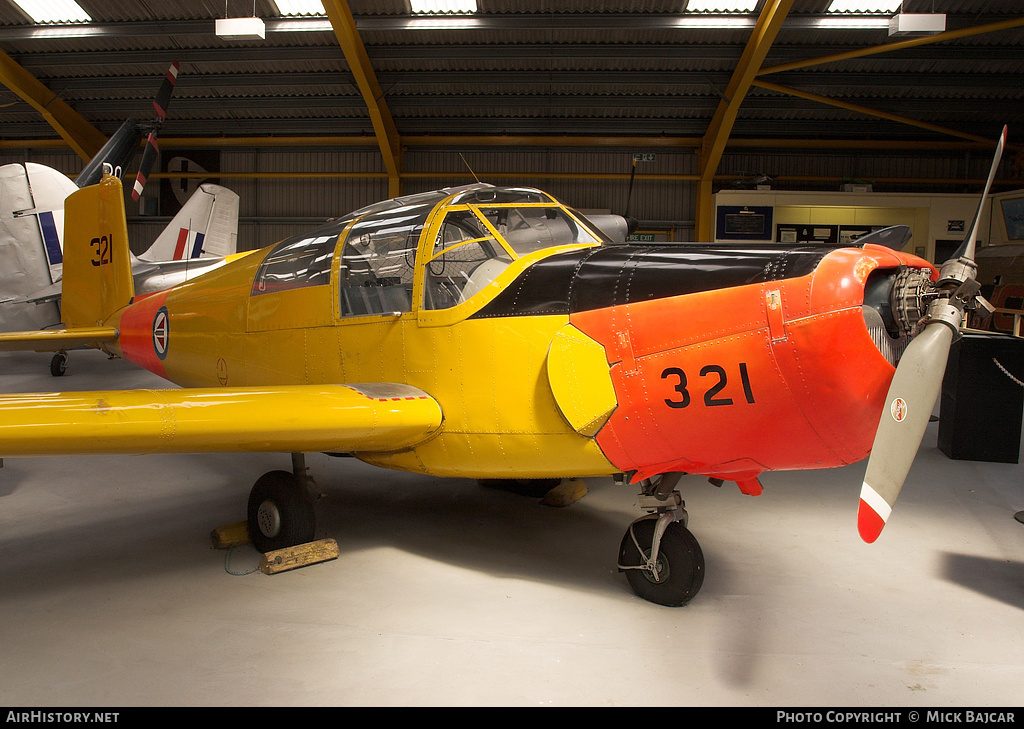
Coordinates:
[466,257]
[500,196]
[530,228]
[296,263]
[378,258]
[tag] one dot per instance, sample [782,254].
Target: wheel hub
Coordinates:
[268,517]
[656,572]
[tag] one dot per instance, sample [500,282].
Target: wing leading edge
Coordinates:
[56,340]
[297,418]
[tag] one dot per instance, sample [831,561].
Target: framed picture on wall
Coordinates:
[744,222]
[793,233]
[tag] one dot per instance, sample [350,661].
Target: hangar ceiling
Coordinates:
[583,68]
[519,73]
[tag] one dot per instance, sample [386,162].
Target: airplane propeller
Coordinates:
[918,378]
[163,98]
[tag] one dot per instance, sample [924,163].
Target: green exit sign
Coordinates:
[640,238]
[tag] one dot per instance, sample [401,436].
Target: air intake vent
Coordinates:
[891,349]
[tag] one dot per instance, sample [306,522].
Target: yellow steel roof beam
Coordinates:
[717,136]
[896,46]
[80,135]
[359,64]
[870,112]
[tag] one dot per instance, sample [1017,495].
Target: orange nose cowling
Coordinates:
[729,383]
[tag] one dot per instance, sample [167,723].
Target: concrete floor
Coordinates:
[448,593]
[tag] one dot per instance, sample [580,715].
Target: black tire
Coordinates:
[280,512]
[59,364]
[680,563]
[533,487]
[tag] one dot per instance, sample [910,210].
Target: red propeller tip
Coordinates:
[872,514]
[869,524]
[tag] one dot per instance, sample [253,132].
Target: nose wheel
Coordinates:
[675,573]
[662,560]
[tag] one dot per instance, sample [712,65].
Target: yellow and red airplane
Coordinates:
[492,333]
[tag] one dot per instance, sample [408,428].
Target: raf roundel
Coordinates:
[161,332]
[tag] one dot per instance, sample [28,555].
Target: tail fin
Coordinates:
[205,227]
[31,215]
[97,264]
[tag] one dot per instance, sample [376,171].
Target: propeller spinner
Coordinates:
[918,378]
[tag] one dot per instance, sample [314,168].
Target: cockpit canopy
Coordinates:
[460,238]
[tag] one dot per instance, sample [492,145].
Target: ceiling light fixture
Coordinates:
[917,23]
[240,28]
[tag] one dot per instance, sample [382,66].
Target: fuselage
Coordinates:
[550,351]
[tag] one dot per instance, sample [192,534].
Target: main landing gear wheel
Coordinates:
[59,364]
[280,512]
[678,572]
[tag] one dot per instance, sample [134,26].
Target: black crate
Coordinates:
[982,405]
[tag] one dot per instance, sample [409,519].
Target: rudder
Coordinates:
[97,264]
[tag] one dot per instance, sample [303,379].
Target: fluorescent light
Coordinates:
[54,11]
[240,28]
[721,6]
[853,22]
[300,7]
[917,23]
[442,7]
[864,6]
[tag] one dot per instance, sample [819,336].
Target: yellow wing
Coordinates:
[298,418]
[57,340]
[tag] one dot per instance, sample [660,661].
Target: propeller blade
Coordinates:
[966,249]
[909,403]
[163,96]
[146,166]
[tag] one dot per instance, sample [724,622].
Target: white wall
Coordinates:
[928,215]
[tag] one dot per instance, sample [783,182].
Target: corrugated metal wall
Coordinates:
[317,185]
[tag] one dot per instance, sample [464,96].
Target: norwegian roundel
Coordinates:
[161,332]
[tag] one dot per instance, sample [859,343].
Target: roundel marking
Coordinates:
[161,332]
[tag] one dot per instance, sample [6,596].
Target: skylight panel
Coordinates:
[442,7]
[721,6]
[300,7]
[54,11]
[864,6]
